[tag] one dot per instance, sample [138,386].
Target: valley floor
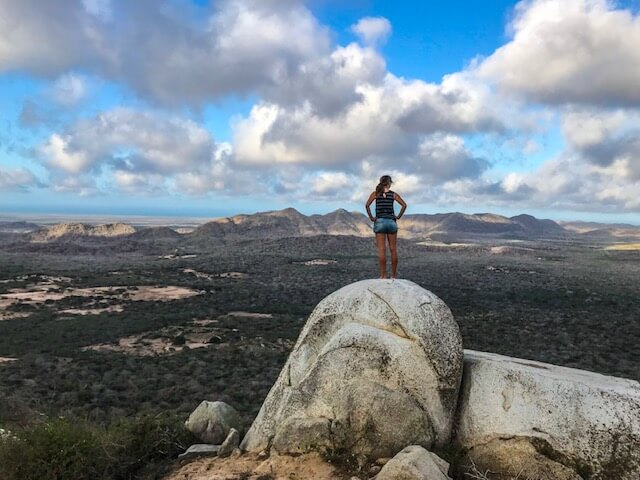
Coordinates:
[104,336]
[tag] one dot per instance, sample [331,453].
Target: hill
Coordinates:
[66,231]
[18,227]
[290,222]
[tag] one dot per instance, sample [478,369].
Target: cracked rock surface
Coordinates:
[377,367]
[521,416]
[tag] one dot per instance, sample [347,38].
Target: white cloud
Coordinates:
[59,155]
[331,118]
[140,183]
[132,140]
[331,183]
[82,185]
[35,36]
[69,89]
[372,30]
[140,151]
[443,157]
[566,182]
[570,51]
[329,84]
[512,182]
[606,138]
[388,122]
[586,128]
[17,179]
[158,50]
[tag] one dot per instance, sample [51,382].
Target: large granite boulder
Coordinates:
[211,422]
[544,421]
[377,367]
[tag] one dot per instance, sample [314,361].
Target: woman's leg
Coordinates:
[394,254]
[382,259]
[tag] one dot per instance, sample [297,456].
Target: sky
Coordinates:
[213,108]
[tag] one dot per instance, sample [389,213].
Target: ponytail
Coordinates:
[385,181]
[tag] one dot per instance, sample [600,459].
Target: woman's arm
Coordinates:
[402,203]
[372,197]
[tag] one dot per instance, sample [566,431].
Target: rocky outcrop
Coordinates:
[200,450]
[377,372]
[376,368]
[414,463]
[230,443]
[535,419]
[212,422]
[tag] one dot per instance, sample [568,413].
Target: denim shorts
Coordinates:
[385,225]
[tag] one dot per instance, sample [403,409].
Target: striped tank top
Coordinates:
[384,205]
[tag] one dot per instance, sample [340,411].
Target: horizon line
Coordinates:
[9,216]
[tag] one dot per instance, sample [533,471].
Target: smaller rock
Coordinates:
[382,461]
[200,450]
[236,453]
[230,443]
[263,454]
[211,422]
[375,469]
[414,463]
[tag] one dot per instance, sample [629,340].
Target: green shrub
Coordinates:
[72,449]
[146,444]
[59,449]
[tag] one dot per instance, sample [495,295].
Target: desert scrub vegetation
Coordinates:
[70,449]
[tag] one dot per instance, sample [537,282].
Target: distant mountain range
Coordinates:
[291,223]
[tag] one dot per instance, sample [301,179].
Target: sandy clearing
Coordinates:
[624,247]
[278,467]
[162,293]
[144,347]
[232,275]
[93,311]
[448,245]
[505,249]
[12,315]
[204,322]
[211,276]
[44,279]
[197,274]
[140,293]
[319,261]
[29,296]
[249,314]
[40,294]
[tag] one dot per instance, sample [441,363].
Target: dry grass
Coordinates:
[624,246]
[474,473]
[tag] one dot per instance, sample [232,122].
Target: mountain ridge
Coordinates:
[291,222]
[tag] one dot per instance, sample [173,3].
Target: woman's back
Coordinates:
[384,205]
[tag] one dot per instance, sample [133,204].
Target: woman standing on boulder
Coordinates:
[384,223]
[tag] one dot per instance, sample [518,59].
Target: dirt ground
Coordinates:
[250,467]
